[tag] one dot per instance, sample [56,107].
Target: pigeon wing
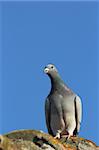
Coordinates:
[78,113]
[48,115]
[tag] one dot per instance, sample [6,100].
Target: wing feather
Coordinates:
[48,115]
[78,113]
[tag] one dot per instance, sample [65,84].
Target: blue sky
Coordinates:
[35,34]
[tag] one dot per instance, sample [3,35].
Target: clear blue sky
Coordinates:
[35,34]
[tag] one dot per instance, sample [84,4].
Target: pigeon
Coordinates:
[63,108]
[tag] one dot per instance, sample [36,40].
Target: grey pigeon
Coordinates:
[63,108]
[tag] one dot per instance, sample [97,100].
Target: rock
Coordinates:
[36,140]
[79,143]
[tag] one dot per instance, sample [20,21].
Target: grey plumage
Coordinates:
[63,108]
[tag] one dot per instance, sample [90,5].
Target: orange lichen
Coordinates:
[35,139]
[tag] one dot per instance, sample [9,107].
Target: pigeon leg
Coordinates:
[68,137]
[62,127]
[70,133]
[58,134]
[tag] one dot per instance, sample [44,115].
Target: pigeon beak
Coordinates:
[46,70]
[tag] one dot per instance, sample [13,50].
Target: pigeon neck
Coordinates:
[56,81]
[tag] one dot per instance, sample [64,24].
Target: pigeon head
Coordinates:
[53,74]
[50,69]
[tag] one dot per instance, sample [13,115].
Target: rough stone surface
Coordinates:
[37,140]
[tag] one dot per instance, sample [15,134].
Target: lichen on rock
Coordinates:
[37,140]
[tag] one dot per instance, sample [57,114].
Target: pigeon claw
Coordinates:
[58,136]
[66,136]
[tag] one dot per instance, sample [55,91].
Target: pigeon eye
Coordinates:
[52,67]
